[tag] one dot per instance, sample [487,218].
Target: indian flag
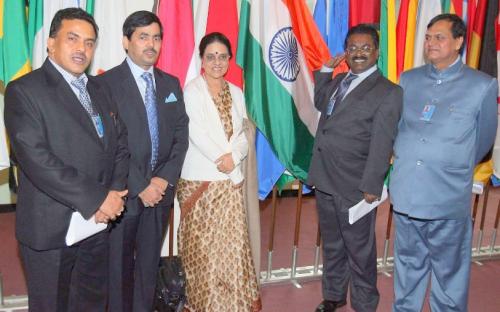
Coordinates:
[279,45]
[40,15]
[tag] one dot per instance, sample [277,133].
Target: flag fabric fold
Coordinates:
[278,81]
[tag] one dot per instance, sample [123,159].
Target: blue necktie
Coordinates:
[84,98]
[150,103]
[341,91]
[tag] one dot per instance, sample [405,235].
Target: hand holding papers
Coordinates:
[359,210]
[80,229]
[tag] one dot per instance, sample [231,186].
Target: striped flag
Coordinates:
[476,35]
[426,11]
[387,56]
[14,56]
[109,52]
[277,41]
[177,51]
[405,35]
[40,16]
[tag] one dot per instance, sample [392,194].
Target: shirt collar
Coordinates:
[366,73]
[67,75]
[137,71]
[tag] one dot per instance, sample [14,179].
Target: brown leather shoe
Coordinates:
[330,306]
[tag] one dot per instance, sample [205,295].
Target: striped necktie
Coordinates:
[341,91]
[150,103]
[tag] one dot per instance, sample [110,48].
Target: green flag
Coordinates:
[14,57]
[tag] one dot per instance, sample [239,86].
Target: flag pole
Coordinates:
[271,233]
[298,212]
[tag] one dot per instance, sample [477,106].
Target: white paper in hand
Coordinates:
[359,210]
[80,229]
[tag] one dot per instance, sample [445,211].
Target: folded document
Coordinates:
[359,210]
[80,229]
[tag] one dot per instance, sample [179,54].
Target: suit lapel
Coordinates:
[365,86]
[162,91]
[69,100]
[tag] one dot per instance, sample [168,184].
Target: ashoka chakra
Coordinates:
[284,55]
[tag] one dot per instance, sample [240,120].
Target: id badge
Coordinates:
[427,112]
[98,126]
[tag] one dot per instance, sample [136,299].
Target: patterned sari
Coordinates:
[213,239]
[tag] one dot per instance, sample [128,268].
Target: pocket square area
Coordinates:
[171,98]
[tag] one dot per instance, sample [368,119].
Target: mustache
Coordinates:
[361,58]
[151,50]
[79,54]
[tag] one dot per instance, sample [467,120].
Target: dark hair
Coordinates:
[365,29]
[71,14]
[140,19]
[458,28]
[215,37]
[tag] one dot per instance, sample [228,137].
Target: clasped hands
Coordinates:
[154,192]
[225,164]
[112,207]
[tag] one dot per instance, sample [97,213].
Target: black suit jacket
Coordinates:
[172,128]
[353,146]
[63,165]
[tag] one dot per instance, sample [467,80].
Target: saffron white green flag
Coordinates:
[40,16]
[278,82]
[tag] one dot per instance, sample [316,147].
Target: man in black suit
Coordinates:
[151,105]
[352,150]
[71,150]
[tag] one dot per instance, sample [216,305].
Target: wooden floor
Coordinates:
[485,278]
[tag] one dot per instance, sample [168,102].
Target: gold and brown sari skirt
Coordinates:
[215,248]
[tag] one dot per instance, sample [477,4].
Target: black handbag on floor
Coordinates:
[170,289]
[170,295]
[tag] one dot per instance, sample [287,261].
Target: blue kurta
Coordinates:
[435,157]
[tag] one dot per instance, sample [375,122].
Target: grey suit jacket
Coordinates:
[434,160]
[353,146]
[172,128]
[63,165]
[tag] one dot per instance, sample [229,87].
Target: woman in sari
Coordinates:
[213,234]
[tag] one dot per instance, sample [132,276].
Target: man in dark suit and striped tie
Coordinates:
[151,104]
[353,146]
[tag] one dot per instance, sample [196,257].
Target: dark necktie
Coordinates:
[150,103]
[84,98]
[341,91]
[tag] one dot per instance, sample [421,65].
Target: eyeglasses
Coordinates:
[366,49]
[220,57]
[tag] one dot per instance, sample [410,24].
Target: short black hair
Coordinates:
[215,37]
[140,19]
[71,14]
[365,29]
[458,28]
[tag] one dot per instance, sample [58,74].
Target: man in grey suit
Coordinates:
[151,105]
[71,149]
[448,125]
[352,151]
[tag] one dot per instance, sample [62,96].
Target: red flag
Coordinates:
[364,11]
[223,17]
[177,47]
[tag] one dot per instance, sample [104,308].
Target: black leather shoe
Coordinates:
[330,306]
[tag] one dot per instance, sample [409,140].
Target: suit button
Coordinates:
[423,140]
[319,149]
[419,163]
[324,131]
